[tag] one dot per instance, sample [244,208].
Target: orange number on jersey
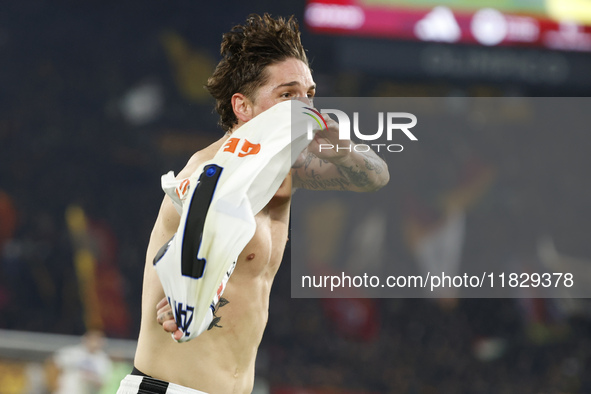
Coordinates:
[247,148]
[231,144]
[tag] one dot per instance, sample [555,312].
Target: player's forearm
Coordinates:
[365,171]
[355,171]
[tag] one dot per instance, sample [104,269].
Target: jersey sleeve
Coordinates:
[175,189]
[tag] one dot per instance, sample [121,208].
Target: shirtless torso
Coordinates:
[222,360]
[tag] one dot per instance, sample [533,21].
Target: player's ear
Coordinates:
[242,106]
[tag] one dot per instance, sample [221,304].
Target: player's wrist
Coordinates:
[346,158]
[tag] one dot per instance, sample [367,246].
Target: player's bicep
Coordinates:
[166,225]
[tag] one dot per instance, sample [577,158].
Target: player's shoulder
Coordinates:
[200,157]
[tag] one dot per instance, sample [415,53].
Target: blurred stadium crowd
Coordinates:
[97,101]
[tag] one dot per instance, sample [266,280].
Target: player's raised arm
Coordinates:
[333,164]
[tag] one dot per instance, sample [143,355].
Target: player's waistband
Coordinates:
[138,384]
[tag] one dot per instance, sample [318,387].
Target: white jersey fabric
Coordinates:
[218,204]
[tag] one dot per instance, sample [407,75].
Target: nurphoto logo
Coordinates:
[394,123]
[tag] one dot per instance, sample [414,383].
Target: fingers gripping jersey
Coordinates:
[218,205]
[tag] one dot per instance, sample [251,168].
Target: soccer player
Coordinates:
[263,63]
[84,368]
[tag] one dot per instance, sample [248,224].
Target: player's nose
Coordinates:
[305,99]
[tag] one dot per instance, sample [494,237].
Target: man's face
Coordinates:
[288,79]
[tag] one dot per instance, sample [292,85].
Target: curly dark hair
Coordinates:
[246,52]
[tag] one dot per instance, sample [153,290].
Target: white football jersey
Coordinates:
[218,203]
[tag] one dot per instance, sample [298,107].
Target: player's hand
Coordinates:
[165,318]
[325,143]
